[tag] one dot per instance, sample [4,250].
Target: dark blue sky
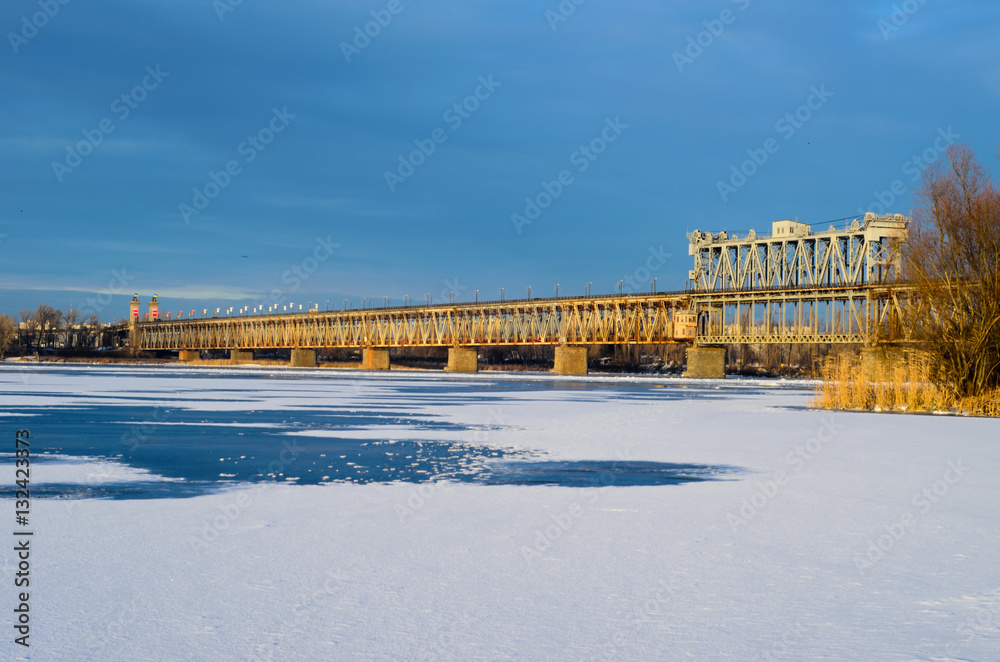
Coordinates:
[642,109]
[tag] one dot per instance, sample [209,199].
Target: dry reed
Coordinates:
[900,385]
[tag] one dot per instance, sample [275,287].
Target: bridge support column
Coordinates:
[189,355]
[303,358]
[241,355]
[570,360]
[375,358]
[706,363]
[462,359]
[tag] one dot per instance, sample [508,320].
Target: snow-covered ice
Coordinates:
[834,536]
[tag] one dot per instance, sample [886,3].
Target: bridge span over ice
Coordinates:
[796,285]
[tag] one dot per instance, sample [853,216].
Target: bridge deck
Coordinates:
[780,315]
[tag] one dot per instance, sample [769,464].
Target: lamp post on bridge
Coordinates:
[557,290]
[588,288]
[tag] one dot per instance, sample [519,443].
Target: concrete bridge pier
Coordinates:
[462,359]
[189,355]
[570,360]
[241,355]
[303,358]
[375,358]
[706,362]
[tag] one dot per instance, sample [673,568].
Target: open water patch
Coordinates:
[177,435]
[593,473]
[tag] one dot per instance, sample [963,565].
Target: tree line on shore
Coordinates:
[46,327]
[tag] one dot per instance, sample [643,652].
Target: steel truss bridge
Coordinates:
[793,286]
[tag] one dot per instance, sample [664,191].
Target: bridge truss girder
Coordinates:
[862,315]
[860,254]
[644,319]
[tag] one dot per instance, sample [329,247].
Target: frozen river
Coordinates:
[194,432]
[255,514]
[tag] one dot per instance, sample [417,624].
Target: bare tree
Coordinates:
[953,260]
[93,329]
[8,333]
[27,331]
[47,318]
[71,318]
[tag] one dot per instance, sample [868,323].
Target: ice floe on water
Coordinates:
[312,427]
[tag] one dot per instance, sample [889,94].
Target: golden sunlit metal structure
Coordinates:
[839,285]
[863,314]
[793,286]
[633,319]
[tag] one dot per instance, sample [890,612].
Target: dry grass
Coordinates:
[226,362]
[98,360]
[334,365]
[849,382]
[983,405]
